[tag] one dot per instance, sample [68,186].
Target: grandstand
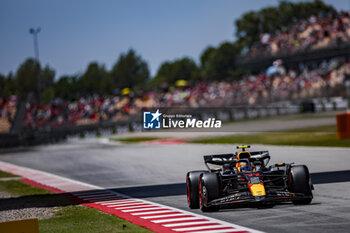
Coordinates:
[325,30]
[327,80]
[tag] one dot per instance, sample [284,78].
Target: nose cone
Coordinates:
[257,190]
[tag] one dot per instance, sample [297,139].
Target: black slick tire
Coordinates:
[300,183]
[192,182]
[209,189]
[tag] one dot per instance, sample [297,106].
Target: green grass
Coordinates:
[314,136]
[134,139]
[6,175]
[85,220]
[19,188]
[69,217]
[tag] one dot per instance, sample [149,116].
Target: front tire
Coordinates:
[192,188]
[209,189]
[300,182]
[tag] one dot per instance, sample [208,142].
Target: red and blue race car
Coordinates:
[243,178]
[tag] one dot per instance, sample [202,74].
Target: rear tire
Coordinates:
[300,182]
[209,189]
[192,182]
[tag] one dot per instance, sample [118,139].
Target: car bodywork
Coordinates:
[230,184]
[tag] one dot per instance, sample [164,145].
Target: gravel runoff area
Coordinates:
[19,211]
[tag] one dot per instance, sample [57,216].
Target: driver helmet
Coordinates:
[244,166]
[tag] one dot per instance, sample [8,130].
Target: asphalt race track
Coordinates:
[157,173]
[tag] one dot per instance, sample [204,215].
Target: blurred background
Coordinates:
[70,69]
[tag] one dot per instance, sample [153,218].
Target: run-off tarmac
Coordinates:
[157,173]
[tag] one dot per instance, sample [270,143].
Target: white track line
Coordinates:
[188,223]
[153,212]
[143,209]
[200,228]
[116,202]
[163,216]
[240,228]
[176,219]
[128,204]
[29,174]
[132,207]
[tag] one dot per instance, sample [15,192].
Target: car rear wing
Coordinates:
[260,155]
[221,159]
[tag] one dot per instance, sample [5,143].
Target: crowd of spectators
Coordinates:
[281,84]
[250,90]
[260,89]
[7,112]
[324,30]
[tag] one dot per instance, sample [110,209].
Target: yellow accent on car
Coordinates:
[243,147]
[257,190]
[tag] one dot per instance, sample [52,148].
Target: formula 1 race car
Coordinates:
[243,178]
